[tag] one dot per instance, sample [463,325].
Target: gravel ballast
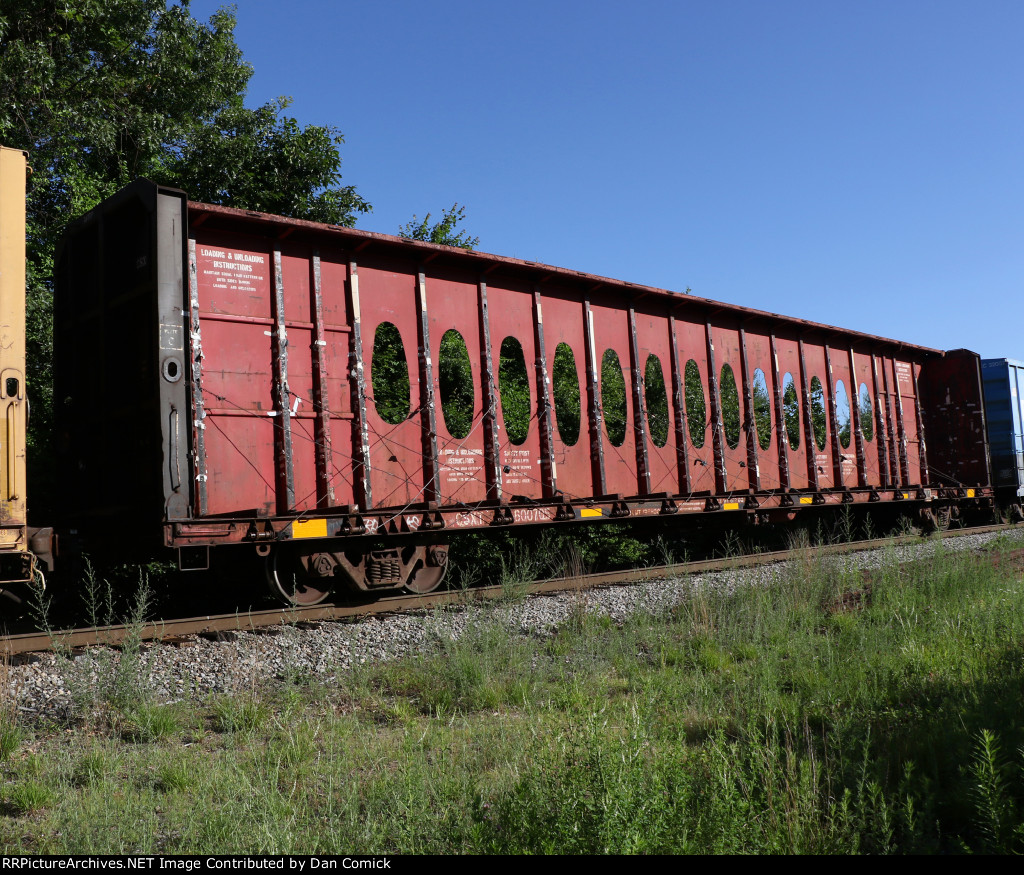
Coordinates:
[53,686]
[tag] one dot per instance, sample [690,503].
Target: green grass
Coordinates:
[826,713]
[146,722]
[10,737]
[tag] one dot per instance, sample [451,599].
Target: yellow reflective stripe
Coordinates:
[309,529]
[731,505]
[807,499]
[591,511]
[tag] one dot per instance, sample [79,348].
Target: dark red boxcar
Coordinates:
[220,377]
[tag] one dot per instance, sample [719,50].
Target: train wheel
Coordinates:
[425,579]
[429,569]
[947,518]
[289,584]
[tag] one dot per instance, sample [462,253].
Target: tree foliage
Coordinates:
[696,410]
[100,92]
[565,383]
[444,232]
[819,423]
[389,375]
[843,418]
[867,422]
[762,410]
[656,398]
[455,382]
[514,390]
[730,398]
[791,411]
[263,160]
[613,398]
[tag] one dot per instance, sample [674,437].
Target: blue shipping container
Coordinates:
[1003,381]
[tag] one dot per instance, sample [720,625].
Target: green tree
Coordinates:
[791,411]
[867,423]
[100,92]
[656,398]
[443,233]
[730,397]
[262,159]
[565,384]
[455,382]
[819,420]
[389,375]
[514,390]
[696,410]
[762,410]
[613,398]
[843,419]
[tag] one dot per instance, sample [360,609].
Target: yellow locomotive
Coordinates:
[18,564]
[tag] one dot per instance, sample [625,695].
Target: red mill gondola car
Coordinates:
[218,386]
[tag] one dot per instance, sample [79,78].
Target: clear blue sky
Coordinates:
[855,163]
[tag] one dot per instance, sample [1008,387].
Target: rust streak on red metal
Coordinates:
[362,480]
[753,463]
[640,435]
[489,398]
[545,403]
[682,439]
[321,392]
[781,437]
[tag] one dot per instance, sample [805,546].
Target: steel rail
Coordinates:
[251,621]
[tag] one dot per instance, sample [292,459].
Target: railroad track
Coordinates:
[178,629]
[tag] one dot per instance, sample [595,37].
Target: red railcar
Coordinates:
[220,380]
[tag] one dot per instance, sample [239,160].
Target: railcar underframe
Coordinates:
[257,334]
